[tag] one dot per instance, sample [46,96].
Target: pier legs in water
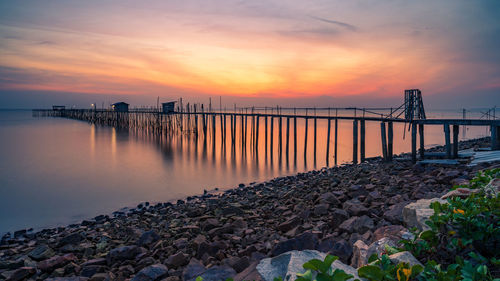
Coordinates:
[355,142]
[495,137]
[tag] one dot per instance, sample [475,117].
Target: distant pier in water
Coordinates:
[201,120]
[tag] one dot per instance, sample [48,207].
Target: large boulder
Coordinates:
[288,264]
[305,241]
[360,249]
[357,224]
[405,257]
[417,213]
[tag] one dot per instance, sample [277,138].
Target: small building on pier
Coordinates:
[120,107]
[58,107]
[168,107]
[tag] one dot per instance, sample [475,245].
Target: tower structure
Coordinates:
[414,107]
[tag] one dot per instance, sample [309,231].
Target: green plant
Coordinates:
[322,271]
[381,269]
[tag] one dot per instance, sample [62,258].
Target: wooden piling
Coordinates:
[287,135]
[280,139]
[257,133]
[455,141]
[422,140]
[336,138]
[305,137]
[447,140]
[414,143]
[271,136]
[384,141]
[315,134]
[495,137]
[355,141]
[362,139]
[390,141]
[328,143]
[295,136]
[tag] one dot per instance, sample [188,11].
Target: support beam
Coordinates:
[447,140]
[414,143]
[390,141]
[328,143]
[362,140]
[422,140]
[455,141]
[384,141]
[355,141]
[495,137]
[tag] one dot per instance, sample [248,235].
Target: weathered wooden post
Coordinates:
[295,136]
[355,141]
[447,140]
[414,142]
[287,135]
[336,138]
[315,132]
[362,139]
[328,143]
[384,140]
[422,140]
[213,127]
[280,136]
[257,133]
[390,140]
[455,140]
[265,129]
[495,137]
[271,136]
[305,137]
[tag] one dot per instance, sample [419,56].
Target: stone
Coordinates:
[357,224]
[288,264]
[103,276]
[209,224]
[193,269]
[74,278]
[15,264]
[91,270]
[395,213]
[54,262]
[378,247]
[405,257]
[360,250]
[176,260]
[417,213]
[343,250]
[338,217]
[237,263]
[250,273]
[41,252]
[210,249]
[217,273]
[151,273]
[460,192]
[394,232]
[72,239]
[22,273]
[329,198]
[289,224]
[305,241]
[148,238]
[321,209]
[355,208]
[123,253]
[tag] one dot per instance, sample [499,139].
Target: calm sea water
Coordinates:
[56,171]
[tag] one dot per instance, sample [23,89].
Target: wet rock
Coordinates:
[148,238]
[41,252]
[72,239]
[52,263]
[151,273]
[176,260]
[22,273]
[288,264]
[305,241]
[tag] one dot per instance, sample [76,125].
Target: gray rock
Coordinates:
[360,250]
[329,198]
[417,213]
[305,241]
[378,247]
[72,239]
[151,273]
[217,273]
[338,217]
[321,209]
[22,273]
[193,269]
[123,253]
[74,278]
[343,250]
[288,264]
[41,252]
[176,260]
[405,257]
[357,224]
[148,238]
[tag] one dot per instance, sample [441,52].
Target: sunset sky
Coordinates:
[249,51]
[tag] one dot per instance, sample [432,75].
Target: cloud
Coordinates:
[337,23]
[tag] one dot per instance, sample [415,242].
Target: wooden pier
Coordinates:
[193,119]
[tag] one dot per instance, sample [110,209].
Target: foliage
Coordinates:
[322,271]
[381,269]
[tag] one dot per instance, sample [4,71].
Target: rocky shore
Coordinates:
[227,234]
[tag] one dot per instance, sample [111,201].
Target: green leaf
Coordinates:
[278,279]
[372,258]
[199,278]
[329,259]
[371,272]
[314,264]
[340,275]
[305,276]
[482,269]
[428,235]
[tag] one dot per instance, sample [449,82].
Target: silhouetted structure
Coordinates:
[58,107]
[120,107]
[168,107]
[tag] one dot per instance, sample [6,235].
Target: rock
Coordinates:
[41,252]
[395,213]
[210,249]
[417,213]
[343,250]
[288,264]
[305,241]
[148,238]
[405,257]
[72,239]
[460,192]
[357,224]
[394,232]
[378,247]
[338,217]
[321,209]
[74,278]
[193,269]
[54,262]
[237,263]
[123,253]
[151,273]
[217,273]
[359,255]
[209,224]
[22,273]
[289,224]
[103,276]
[329,198]
[11,264]
[98,261]
[250,273]
[91,270]
[355,208]
[176,260]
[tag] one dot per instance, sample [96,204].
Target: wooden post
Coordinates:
[495,137]
[455,141]
[305,137]
[390,141]
[213,127]
[414,142]
[271,136]
[287,135]
[384,141]
[295,136]
[280,136]
[355,141]
[422,140]
[265,129]
[328,143]
[362,140]
[336,138]
[222,128]
[315,133]
[257,133]
[447,140]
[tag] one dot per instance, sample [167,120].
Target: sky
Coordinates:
[291,52]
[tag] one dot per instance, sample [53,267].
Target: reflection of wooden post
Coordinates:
[328,142]
[265,127]
[447,140]
[362,140]
[390,140]
[384,141]
[414,142]
[355,141]
[422,142]
[271,137]
[280,135]
[455,141]
[257,132]
[315,134]
[336,138]
[305,137]
[287,134]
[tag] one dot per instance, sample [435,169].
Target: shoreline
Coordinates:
[238,226]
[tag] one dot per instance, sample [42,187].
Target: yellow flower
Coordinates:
[452,232]
[406,273]
[458,211]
